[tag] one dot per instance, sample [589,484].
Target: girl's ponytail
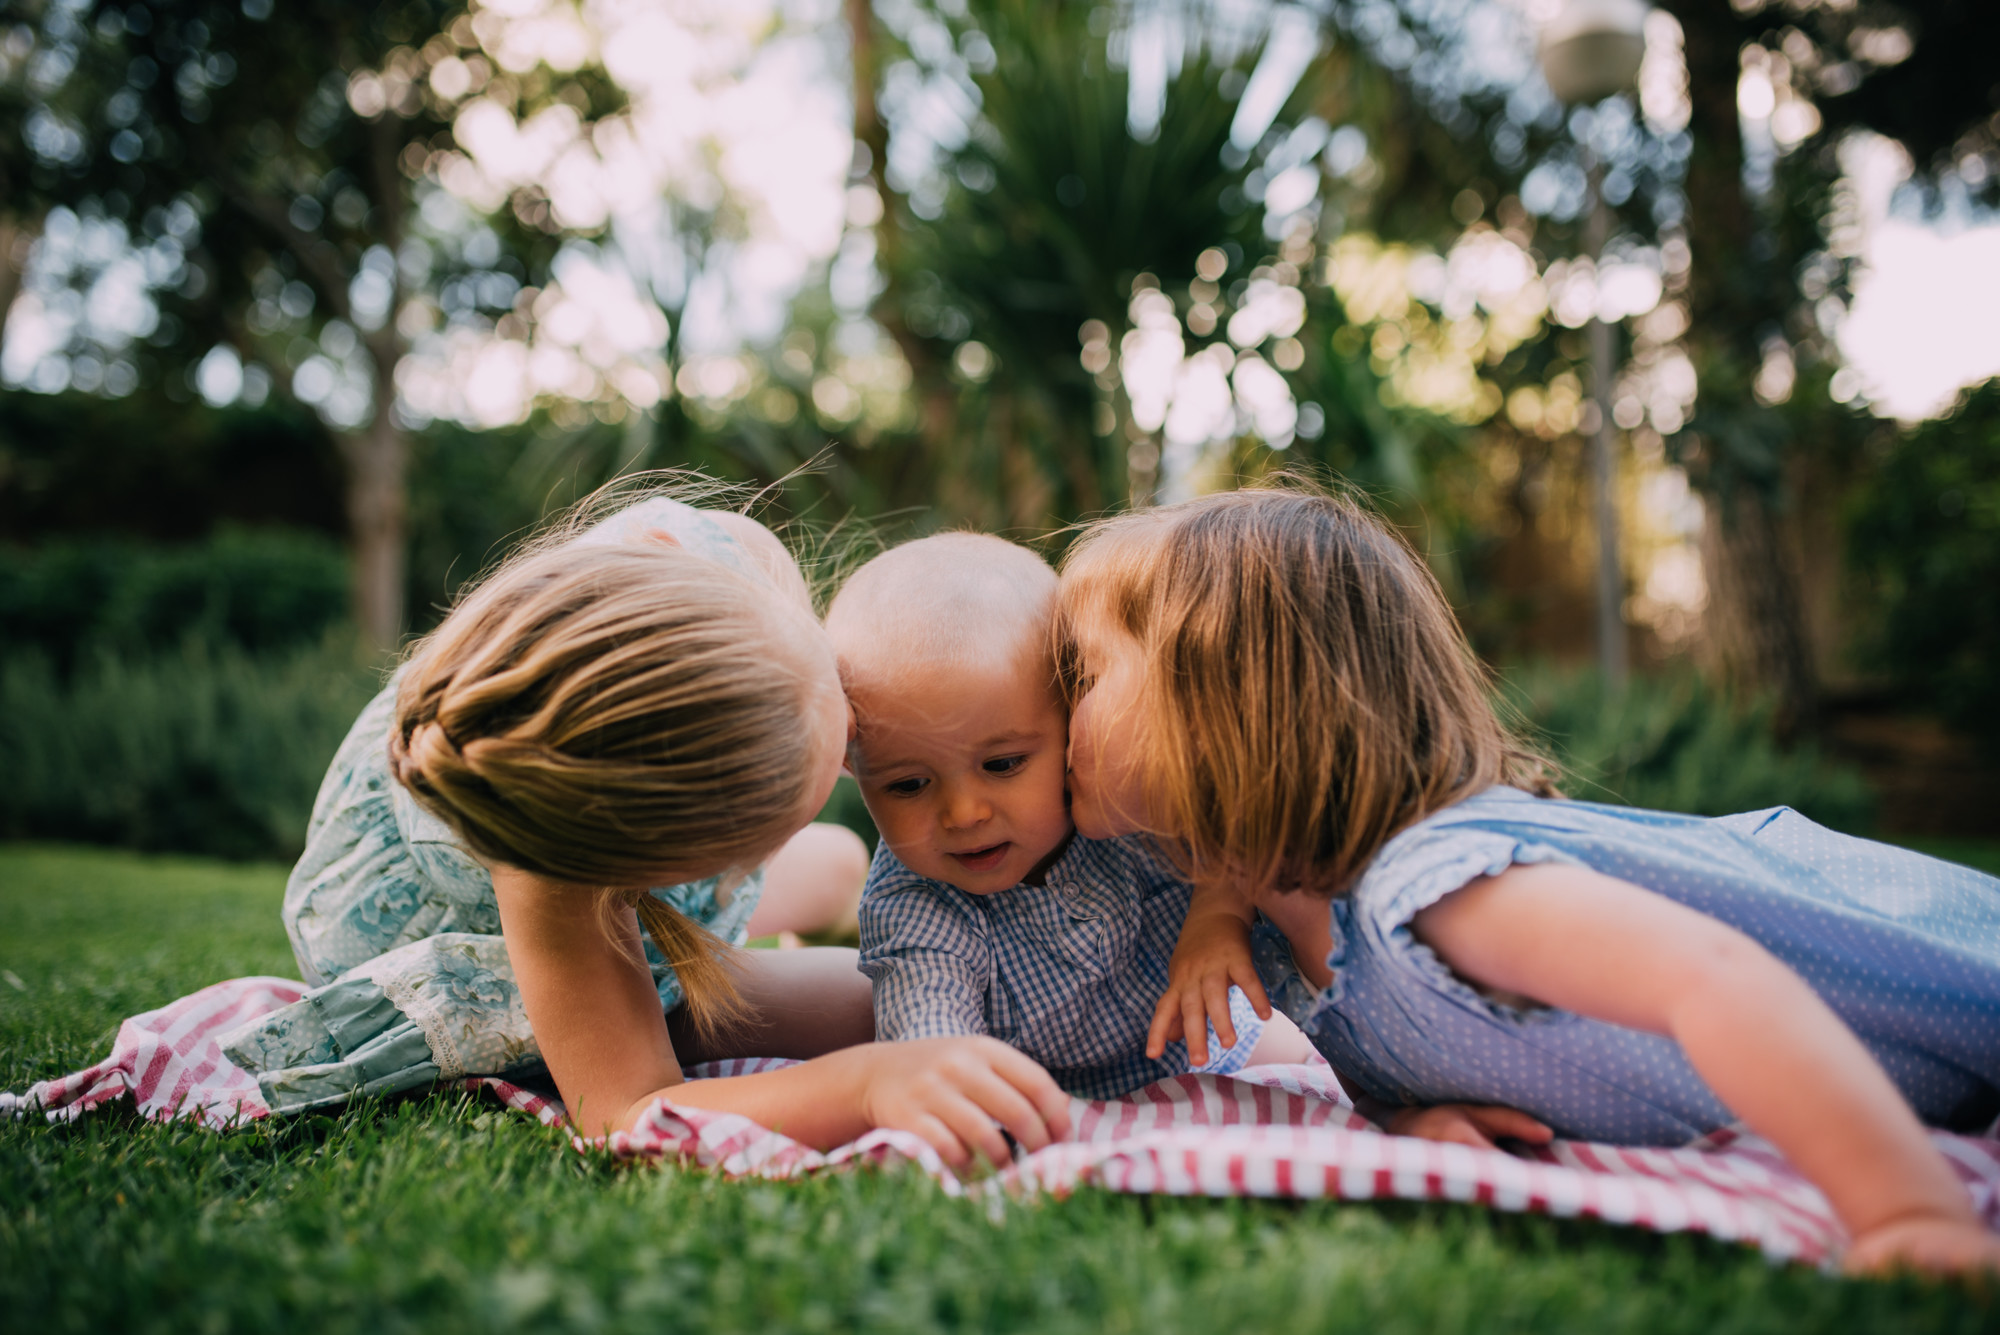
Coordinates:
[700,958]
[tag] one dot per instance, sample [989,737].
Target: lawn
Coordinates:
[443,1213]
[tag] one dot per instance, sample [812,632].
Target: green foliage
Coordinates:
[87,482]
[1673,742]
[204,749]
[258,591]
[446,1214]
[160,467]
[1924,535]
[472,493]
[1052,211]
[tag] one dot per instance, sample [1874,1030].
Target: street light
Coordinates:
[1589,50]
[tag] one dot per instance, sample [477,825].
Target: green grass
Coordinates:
[443,1213]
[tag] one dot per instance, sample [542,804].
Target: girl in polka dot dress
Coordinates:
[1273,682]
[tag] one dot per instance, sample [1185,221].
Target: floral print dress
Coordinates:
[397,931]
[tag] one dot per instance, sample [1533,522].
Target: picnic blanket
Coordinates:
[1276,1131]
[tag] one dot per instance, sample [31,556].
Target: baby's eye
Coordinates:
[906,787]
[1005,764]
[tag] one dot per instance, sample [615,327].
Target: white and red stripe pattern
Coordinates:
[169,1062]
[1282,1131]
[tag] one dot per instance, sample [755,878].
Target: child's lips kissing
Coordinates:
[983,859]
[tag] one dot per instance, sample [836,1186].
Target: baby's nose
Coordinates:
[967,806]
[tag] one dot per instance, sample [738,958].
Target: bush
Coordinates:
[161,470]
[254,590]
[206,749]
[1924,534]
[1673,742]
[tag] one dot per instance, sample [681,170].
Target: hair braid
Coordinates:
[615,717]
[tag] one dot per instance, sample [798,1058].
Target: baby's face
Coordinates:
[962,769]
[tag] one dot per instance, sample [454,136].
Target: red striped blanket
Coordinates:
[1282,1131]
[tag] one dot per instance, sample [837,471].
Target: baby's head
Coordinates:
[945,652]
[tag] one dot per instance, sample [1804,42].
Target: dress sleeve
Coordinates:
[1448,852]
[927,959]
[695,529]
[1419,867]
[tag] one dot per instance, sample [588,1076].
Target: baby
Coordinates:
[984,912]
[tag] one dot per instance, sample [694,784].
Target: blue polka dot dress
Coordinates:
[1905,948]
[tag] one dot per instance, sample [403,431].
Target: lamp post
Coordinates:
[1589,50]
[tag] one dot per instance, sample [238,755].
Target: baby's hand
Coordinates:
[963,1095]
[1473,1124]
[1928,1245]
[1213,952]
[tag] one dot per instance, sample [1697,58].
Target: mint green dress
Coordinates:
[397,931]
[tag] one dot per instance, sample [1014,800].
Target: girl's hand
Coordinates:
[959,1093]
[1213,952]
[1928,1245]
[1477,1125]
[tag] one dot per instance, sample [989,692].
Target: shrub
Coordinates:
[1924,534]
[259,590]
[164,471]
[1673,742]
[205,749]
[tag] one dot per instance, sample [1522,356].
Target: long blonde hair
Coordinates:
[1308,692]
[608,715]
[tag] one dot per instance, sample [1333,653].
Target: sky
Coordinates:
[1925,319]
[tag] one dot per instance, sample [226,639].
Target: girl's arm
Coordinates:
[597,1019]
[1763,1040]
[1213,952]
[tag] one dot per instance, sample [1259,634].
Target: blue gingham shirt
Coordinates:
[1067,972]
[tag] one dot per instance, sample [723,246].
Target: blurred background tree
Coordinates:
[985,262]
[1774,92]
[268,173]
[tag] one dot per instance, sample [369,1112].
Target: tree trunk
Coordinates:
[1754,622]
[378,466]
[13,232]
[1755,619]
[937,412]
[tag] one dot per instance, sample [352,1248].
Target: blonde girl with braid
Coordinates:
[540,845]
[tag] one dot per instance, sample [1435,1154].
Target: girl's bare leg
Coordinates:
[813,884]
[799,1003]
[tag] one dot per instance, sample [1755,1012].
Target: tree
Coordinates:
[1912,71]
[289,152]
[1065,283]
[21,203]
[1757,226]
